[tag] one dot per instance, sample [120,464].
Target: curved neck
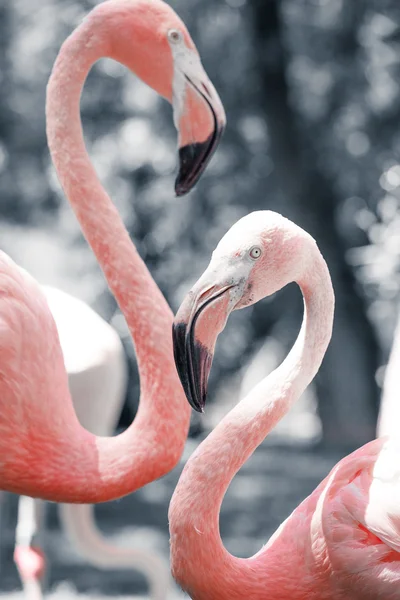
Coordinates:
[195,506]
[139,298]
[119,465]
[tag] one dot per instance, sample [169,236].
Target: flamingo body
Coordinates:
[44,450]
[343,541]
[97,374]
[94,359]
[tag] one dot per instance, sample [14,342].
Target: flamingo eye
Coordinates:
[175,36]
[255,252]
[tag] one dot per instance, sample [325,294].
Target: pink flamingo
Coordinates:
[343,541]
[45,452]
[97,375]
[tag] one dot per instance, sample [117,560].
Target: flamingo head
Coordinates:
[259,255]
[150,39]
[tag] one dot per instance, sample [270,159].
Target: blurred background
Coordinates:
[312,94]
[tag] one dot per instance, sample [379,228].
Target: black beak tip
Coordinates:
[195,389]
[181,189]
[199,406]
[193,160]
[191,167]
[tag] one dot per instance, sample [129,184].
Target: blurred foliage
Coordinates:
[341,69]
[346,90]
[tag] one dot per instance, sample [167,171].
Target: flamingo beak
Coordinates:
[199,320]
[201,123]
